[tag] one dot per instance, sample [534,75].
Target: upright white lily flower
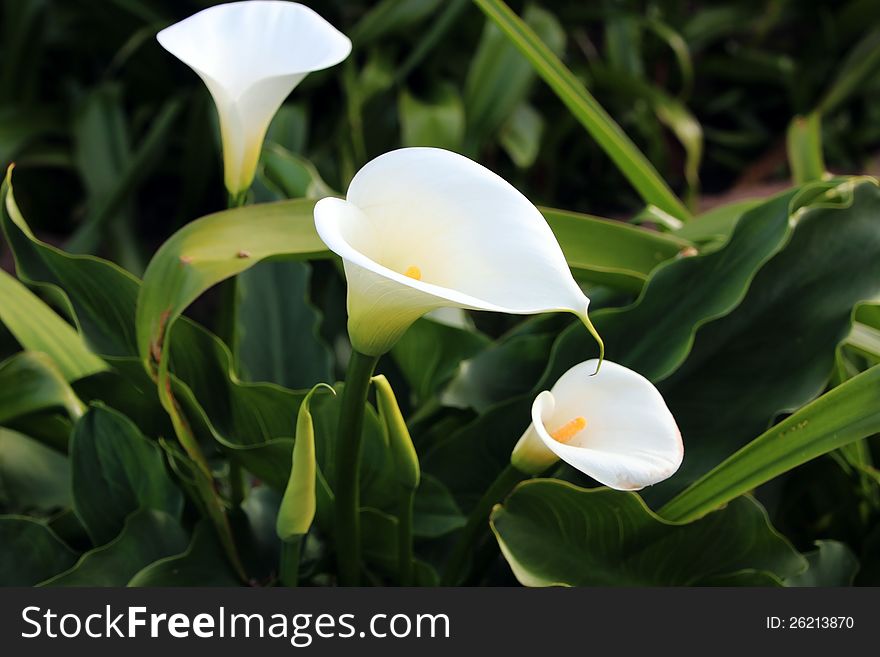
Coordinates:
[614,427]
[424,228]
[251,55]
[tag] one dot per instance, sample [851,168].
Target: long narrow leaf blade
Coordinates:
[610,137]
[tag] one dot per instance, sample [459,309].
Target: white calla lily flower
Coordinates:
[425,228]
[613,426]
[251,55]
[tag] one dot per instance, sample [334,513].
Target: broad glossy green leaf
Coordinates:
[832,563]
[775,352]
[38,329]
[584,107]
[148,536]
[654,335]
[714,227]
[611,252]
[201,564]
[279,338]
[505,369]
[30,552]
[553,533]
[847,413]
[33,478]
[98,294]
[435,511]
[30,382]
[429,352]
[115,472]
[212,249]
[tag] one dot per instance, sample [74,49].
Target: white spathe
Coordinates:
[251,55]
[629,438]
[425,228]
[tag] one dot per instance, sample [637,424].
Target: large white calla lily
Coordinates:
[614,427]
[251,55]
[425,228]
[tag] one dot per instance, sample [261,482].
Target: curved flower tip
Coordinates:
[425,228]
[613,426]
[251,55]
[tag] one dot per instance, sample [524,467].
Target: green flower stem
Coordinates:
[348,451]
[404,536]
[288,572]
[456,567]
[227,330]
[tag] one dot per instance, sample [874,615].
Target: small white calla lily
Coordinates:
[425,228]
[251,55]
[613,426]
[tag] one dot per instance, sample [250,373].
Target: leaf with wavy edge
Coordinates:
[37,328]
[555,534]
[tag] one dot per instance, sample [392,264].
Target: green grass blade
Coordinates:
[583,106]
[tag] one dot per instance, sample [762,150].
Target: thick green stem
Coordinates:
[348,451]
[404,536]
[288,572]
[456,567]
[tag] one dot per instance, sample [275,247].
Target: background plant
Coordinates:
[741,315]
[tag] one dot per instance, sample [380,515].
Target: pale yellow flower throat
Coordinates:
[569,430]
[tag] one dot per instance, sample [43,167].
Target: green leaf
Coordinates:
[584,107]
[291,176]
[437,121]
[845,414]
[500,78]
[33,477]
[29,383]
[860,63]
[804,144]
[670,111]
[379,543]
[132,171]
[520,135]
[505,369]
[775,352]
[831,564]
[611,252]
[553,533]
[429,352]
[212,249]
[435,511]
[147,537]
[201,564]
[279,329]
[30,551]
[98,294]
[116,471]
[391,16]
[38,329]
